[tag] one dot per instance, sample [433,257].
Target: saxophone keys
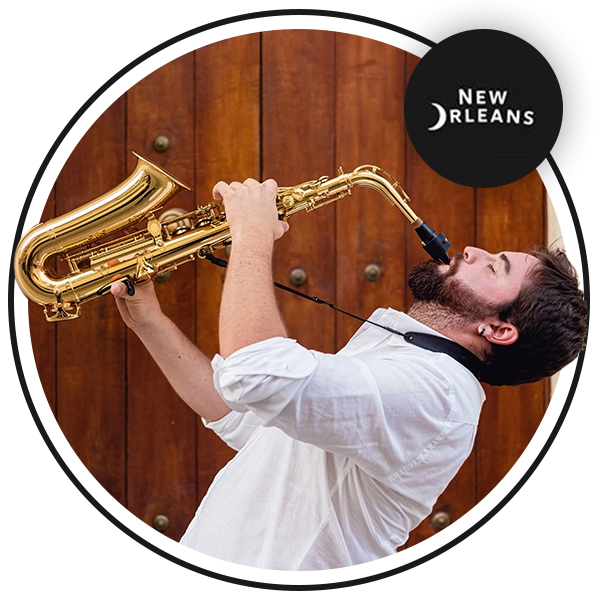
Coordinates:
[288,201]
[61,311]
[155,229]
[171,220]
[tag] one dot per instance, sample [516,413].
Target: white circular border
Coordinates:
[181,554]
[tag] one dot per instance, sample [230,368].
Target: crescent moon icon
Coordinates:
[441,118]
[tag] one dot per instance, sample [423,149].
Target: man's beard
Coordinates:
[440,289]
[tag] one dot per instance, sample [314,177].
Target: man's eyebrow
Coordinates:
[506,263]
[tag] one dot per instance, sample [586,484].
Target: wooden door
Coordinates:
[292,105]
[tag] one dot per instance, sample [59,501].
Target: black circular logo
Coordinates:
[483,108]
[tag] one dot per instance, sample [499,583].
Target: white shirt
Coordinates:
[339,456]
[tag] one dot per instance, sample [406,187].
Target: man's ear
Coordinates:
[499,332]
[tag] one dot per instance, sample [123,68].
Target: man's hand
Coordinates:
[188,370]
[139,310]
[251,209]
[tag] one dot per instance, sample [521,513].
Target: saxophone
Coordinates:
[163,244]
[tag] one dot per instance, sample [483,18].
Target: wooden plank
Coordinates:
[227,148]
[91,358]
[161,429]
[297,136]
[369,130]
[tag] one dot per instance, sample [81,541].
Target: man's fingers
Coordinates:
[119,290]
[124,289]
[270,184]
[219,190]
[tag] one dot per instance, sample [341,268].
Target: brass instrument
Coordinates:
[74,237]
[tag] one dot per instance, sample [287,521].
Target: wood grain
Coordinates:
[297,145]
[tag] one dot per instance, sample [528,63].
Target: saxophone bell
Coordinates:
[75,238]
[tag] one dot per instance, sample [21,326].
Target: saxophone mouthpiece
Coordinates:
[435,244]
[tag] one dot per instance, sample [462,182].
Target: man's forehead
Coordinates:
[521,262]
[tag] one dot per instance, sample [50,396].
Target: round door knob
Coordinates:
[441,519]
[298,276]
[161,522]
[161,143]
[373,272]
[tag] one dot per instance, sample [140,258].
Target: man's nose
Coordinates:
[472,254]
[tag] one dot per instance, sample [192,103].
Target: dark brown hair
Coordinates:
[550,314]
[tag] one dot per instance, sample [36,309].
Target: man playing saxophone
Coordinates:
[341,456]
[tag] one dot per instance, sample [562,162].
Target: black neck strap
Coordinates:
[435,343]
[427,341]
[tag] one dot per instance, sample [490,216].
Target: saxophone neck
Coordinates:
[320,192]
[375,178]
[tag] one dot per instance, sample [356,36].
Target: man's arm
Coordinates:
[188,370]
[249,311]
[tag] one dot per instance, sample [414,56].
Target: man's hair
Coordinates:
[550,314]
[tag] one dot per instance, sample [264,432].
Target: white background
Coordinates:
[55,55]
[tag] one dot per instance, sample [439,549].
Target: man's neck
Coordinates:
[451,325]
